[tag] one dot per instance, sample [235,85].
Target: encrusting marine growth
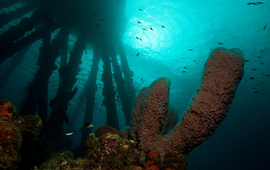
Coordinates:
[223,72]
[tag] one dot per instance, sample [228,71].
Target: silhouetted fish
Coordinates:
[267,75]
[70,52]
[139,22]
[70,133]
[220,43]
[94,14]
[184,71]
[255,91]
[254,69]
[260,3]
[140,9]
[97,25]
[88,125]
[190,49]
[42,99]
[252,78]
[162,26]
[264,27]
[102,20]
[185,68]
[21,94]
[151,28]
[259,57]
[142,79]
[138,54]
[251,3]
[246,60]
[144,29]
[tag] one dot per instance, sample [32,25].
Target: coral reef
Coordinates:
[107,152]
[8,111]
[10,143]
[107,129]
[222,75]
[13,130]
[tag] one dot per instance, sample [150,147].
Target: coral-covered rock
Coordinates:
[10,143]
[61,160]
[107,152]
[107,129]
[30,125]
[8,111]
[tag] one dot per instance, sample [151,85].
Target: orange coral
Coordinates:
[4,111]
[149,166]
[152,153]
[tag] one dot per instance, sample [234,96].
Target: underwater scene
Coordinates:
[134,84]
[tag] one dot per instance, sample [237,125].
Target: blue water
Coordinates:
[192,29]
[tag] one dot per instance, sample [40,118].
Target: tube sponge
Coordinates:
[223,72]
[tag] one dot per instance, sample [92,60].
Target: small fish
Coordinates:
[144,29]
[251,3]
[102,20]
[140,9]
[42,99]
[103,34]
[94,14]
[254,88]
[69,104]
[70,52]
[49,81]
[131,140]
[255,91]
[151,28]
[184,71]
[260,3]
[246,80]
[259,57]
[252,78]
[194,60]
[132,79]
[190,49]
[162,26]
[138,54]
[69,133]
[267,75]
[97,25]
[185,68]
[220,43]
[141,79]
[263,89]
[262,63]
[100,110]
[140,39]
[247,61]
[21,94]
[261,51]
[88,125]
[254,69]
[264,27]
[262,74]
[139,22]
